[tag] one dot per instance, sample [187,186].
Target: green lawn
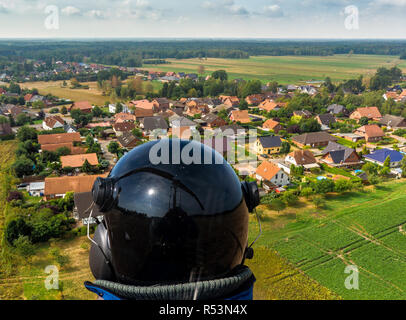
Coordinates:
[288,69]
[365,229]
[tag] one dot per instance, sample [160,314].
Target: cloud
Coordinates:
[71,11]
[97,14]
[395,3]
[273,11]
[226,7]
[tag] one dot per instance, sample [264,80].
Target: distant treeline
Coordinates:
[133,53]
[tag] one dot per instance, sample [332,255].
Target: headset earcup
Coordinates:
[251,194]
[102,193]
[100,255]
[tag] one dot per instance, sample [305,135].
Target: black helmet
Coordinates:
[174,221]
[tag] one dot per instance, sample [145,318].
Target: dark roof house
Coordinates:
[338,154]
[153,123]
[313,139]
[270,141]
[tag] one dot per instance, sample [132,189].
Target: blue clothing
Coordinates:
[106,295]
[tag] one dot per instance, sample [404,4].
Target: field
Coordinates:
[24,279]
[93,94]
[288,69]
[365,229]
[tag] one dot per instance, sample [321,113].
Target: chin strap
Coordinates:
[201,290]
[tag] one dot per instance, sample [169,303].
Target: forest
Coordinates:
[134,53]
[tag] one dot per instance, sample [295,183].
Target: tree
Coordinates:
[278,205]
[201,70]
[220,74]
[363,121]
[23,167]
[370,168]
[323,186]
[374,179]
[306,192]
[97,112]
[24,247]
[343,185]
[86,167]
[290,197]
[113,147]
[22,119]
[319,202]
[403,167]
[387,162]
[15,229]
[243,105]
[285,147]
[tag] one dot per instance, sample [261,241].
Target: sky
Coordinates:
[298,19]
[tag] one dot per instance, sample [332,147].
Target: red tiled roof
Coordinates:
[76,161]
[58,138]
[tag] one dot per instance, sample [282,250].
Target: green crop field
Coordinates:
[365,229]
[288,69]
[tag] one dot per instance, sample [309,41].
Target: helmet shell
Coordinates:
[175,221]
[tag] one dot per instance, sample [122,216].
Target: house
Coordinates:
[161,104]
[372,113]
[178,122]
[113,108]
[68,128]
[69,145]
[124,117]
[326,120]
[270,105]
[379,157]
[149,124]
[103,124]
[120,128]
[81,210]
[141,113]
[338,155]
[192,110]
[83,106]
[213,121]
[77,161]
[53,122]
[36,189]
[395,96]
[128,140]
[302,113]
[231,131]
[254,99]
[273,125]
[393,122]
[58,138]
[144,104]
[304,158]
[222,145]
[351,137]
[313,139]
[241,116]
[5,129]
[58,187]
[337,109]
[270,172]
[268,145]
[371,133]
[231,101]
[222,107]
[310,90]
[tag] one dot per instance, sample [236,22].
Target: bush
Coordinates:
[15,195]
[319,202]
[290,197]
[24,247]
